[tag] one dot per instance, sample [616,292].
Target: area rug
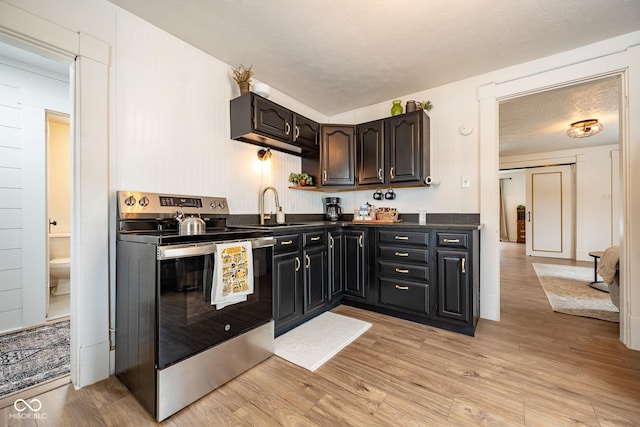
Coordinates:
[34,356]
[318,340]
[568,291]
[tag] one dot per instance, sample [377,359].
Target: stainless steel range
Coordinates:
[172,345]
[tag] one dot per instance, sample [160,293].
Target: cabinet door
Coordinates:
[370,152]
[305,132]
[337,153]
[315,280]
[335,268]
[355,269]
[404,149]
[453,285]
[272,119]
[287,270]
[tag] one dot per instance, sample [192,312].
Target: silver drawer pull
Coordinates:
[313,239]
[398,270]
[402,238]
[288,242]
[452,240]
[402,288]
[401,254]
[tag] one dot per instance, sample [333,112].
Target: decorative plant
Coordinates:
[300,179]
[520,207]
[425,105]
[242,74]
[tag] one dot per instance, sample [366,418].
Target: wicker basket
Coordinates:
[387,216]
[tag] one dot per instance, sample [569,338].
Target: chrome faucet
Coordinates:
[261,204]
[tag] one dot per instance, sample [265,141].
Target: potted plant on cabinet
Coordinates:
[300,179]
[242,76]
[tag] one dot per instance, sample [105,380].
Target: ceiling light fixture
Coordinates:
[584,128]
[264,154]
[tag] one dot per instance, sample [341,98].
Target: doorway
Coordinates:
[59,215]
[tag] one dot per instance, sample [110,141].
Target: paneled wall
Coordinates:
[25,94]
[173,125]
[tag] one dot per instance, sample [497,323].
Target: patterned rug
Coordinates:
[34,356]
[568,291]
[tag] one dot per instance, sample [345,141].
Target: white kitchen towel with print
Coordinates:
[232,274]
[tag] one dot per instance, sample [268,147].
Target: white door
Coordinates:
[549,214]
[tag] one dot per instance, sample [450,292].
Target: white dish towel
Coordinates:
[232,274]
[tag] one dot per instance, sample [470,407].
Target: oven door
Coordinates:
[188,323]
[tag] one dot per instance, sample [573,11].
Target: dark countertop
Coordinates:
[297,226]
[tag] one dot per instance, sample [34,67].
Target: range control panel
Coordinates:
[134,204]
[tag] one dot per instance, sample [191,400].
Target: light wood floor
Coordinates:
[534,368]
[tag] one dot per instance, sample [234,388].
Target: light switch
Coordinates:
[465,182]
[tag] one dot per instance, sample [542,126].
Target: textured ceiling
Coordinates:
[539,122]
[338,55]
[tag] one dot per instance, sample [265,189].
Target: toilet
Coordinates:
[59,270]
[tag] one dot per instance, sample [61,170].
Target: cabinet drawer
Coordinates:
[408,271]
[452,240]
[287,243]
[314,238]
[407,237]
[405,295]
[401,253]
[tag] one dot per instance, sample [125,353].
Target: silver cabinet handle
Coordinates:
[324,174]
[464,269]
[308,261]
[287,242]
[297,264]
[405,271]
[402,288]
[287,128]
[296,133]
[391,175]
[331,241]
[452,240]
[360,240]
[316,238]
[380,173]
[401,254]
[401,237]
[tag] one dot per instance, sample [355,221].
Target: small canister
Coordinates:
[411,106]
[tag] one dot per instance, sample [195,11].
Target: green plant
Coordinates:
[300,178]
[425,105]
[242,74]
[520,207]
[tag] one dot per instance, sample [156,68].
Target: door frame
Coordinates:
[623,63]
[89,79]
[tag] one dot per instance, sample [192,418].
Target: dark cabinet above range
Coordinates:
[258,121]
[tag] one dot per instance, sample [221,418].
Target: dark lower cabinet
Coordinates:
[355,265]
[453,285]
[315,279]
[336,261]
[299,278]
[423,274]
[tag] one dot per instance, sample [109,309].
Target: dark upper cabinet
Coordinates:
[305,132]
[370,152]
[258,121]
[337,155]
[408,148]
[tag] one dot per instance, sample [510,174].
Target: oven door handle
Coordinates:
[184,251]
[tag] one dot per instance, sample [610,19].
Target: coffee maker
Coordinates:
[332,209]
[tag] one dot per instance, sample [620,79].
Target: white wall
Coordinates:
[25,95]
[594,202]
[513,195]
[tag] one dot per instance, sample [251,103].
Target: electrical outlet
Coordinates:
[465,182]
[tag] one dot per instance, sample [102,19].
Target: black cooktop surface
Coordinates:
[172,237]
